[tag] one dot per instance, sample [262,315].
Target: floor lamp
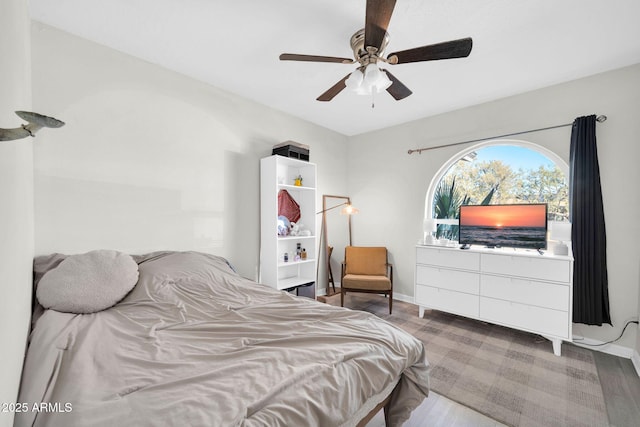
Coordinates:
[347,209]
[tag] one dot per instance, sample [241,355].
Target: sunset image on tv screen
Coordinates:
[506,215]
[519,226]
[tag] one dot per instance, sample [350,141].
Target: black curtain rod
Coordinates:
[600,118]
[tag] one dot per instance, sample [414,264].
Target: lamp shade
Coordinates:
[366,82]
[375,79]
[371,74]
[355,80]
[383,82]
[349,210]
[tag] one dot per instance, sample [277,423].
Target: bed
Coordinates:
[194,343]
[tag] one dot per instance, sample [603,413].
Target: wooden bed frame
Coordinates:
[382,405]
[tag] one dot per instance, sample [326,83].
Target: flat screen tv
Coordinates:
[514,226]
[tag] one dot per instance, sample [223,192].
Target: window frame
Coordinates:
[428,209]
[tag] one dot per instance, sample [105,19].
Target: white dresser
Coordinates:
[520,289]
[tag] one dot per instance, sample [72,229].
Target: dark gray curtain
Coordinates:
[588,235]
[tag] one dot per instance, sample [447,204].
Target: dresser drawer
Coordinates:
[453,280]
[529,267]
[541,294]
[454,258]
[540,320]
[449,301]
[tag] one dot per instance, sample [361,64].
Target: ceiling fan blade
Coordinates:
[314,58]
[334,90]
[377,20]
[446,50]
[397,89]
[14,133]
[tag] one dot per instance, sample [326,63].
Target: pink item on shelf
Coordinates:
[287,206]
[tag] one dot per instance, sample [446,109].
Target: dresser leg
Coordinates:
[556,346]
[420,311]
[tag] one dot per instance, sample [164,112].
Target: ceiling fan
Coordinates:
[35,122]
[368,46]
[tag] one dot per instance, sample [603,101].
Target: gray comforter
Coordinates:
[195,344]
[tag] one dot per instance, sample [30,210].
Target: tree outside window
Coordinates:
[500,174]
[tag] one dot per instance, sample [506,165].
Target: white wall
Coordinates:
[16,200]
[388,185]
[150,159]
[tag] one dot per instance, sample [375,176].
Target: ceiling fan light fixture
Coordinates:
[363,90]
[358,83]
[383,82]
[371,74]
[376,79]
[373,80]
[354,82]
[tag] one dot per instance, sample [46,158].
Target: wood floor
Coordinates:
[621,388]
[438,411]
[618,378]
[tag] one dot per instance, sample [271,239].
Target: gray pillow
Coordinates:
[88,282]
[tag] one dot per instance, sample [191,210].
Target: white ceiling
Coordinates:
[234,45]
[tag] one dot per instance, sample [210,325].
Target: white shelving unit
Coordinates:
[279,173]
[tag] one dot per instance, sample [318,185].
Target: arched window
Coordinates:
[498,172]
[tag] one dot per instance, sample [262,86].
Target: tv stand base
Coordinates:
[518,289]
[557,345]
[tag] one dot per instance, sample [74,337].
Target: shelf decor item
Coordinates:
[429,227]
[287,206]
[561,233]
[292,149]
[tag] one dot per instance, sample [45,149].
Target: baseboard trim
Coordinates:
[612,349]
[635,359]
[402,297]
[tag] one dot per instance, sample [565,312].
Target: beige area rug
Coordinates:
[508,375]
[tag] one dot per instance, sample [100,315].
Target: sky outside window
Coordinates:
[515,156]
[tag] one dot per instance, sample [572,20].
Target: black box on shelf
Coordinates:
[292,149]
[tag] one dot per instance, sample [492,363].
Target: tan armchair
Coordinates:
[366,269]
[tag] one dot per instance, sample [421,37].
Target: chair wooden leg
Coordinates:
[342,292]
[390,300]
[333,285]
[385,411]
